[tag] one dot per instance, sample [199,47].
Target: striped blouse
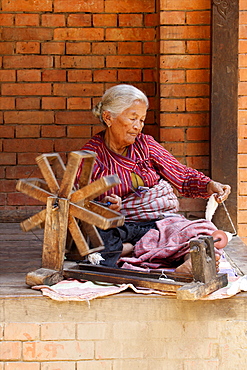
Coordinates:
[149,160]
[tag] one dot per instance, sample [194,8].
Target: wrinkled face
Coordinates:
[123,129]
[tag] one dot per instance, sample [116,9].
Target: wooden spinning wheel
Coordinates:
[65,206]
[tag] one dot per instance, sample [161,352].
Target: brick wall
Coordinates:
[242,133]
[123,332]
[184,85]
[57,58]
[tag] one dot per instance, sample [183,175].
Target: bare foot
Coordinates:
[186,267]
[127,249]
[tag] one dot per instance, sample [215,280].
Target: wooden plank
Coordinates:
[88,216]
[95,238]
[224,104]
[78,237]
[55,234]
[68,180]
[27,187]
[34,221]
[43,276]
[48,174]
[87,168]
[95,189]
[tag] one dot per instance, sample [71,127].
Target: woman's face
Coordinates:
[123,129]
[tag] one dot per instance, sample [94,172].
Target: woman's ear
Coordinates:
[107,118]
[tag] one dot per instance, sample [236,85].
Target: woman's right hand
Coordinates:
[115,200]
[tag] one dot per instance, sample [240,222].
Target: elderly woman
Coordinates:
[148,173]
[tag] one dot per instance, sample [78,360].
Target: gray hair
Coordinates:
[118,98]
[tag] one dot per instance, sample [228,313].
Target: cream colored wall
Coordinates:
[122,332]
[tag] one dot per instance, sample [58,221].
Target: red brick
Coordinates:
[63,118]
[10,350]
[22,366]
[242,131]
[172,47]
[183,90]
[96,129]
[242,31]
[27,158]
[197,149]
[242,149]
[80,34]
[129,48]
[130,61]
[28,145]
[198,47]
[53,103]
[198,17]
[199,75]
[184,61]
[27,6]
[184,32]
[21,331]
[184,119]
[28,61]
[7,186]
[172,105]
[197,133]
[243,60]
[68,145]
[26,34]
[242,160]
[105,75]
[7,158]
[53,20]
[81,6]
[130,20]
[79,131]
[26,89]
[172,134]
[172,76]
[6,19]
[197,104]
[184,4]
[150,75]
[7,131]
[242,103]
[22,117]
[176,17]
[243,74]
[15,199]
[27,103]
[7,103]
[76,89]
[151,47]
[130,34]
[53,48]
[242,46]
[6,48]
[129,75]
[79,20]
[104,48]
[124,6]
[151,20]
[105,20]
[54,75]
[1,117]
[176,149]
[27,19]
[27,131]
[29,75]
[79,103]
[78,48]
[53,131]
[82,62]
[83,75]
[242,88]
[201,163]
[7,75]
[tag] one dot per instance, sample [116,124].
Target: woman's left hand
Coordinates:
[115,200]
[221,191]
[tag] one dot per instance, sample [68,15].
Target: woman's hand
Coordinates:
[115,200]
[221,191]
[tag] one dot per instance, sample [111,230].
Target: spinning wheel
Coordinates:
[65,206]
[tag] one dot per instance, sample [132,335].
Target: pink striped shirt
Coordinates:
[148,159]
